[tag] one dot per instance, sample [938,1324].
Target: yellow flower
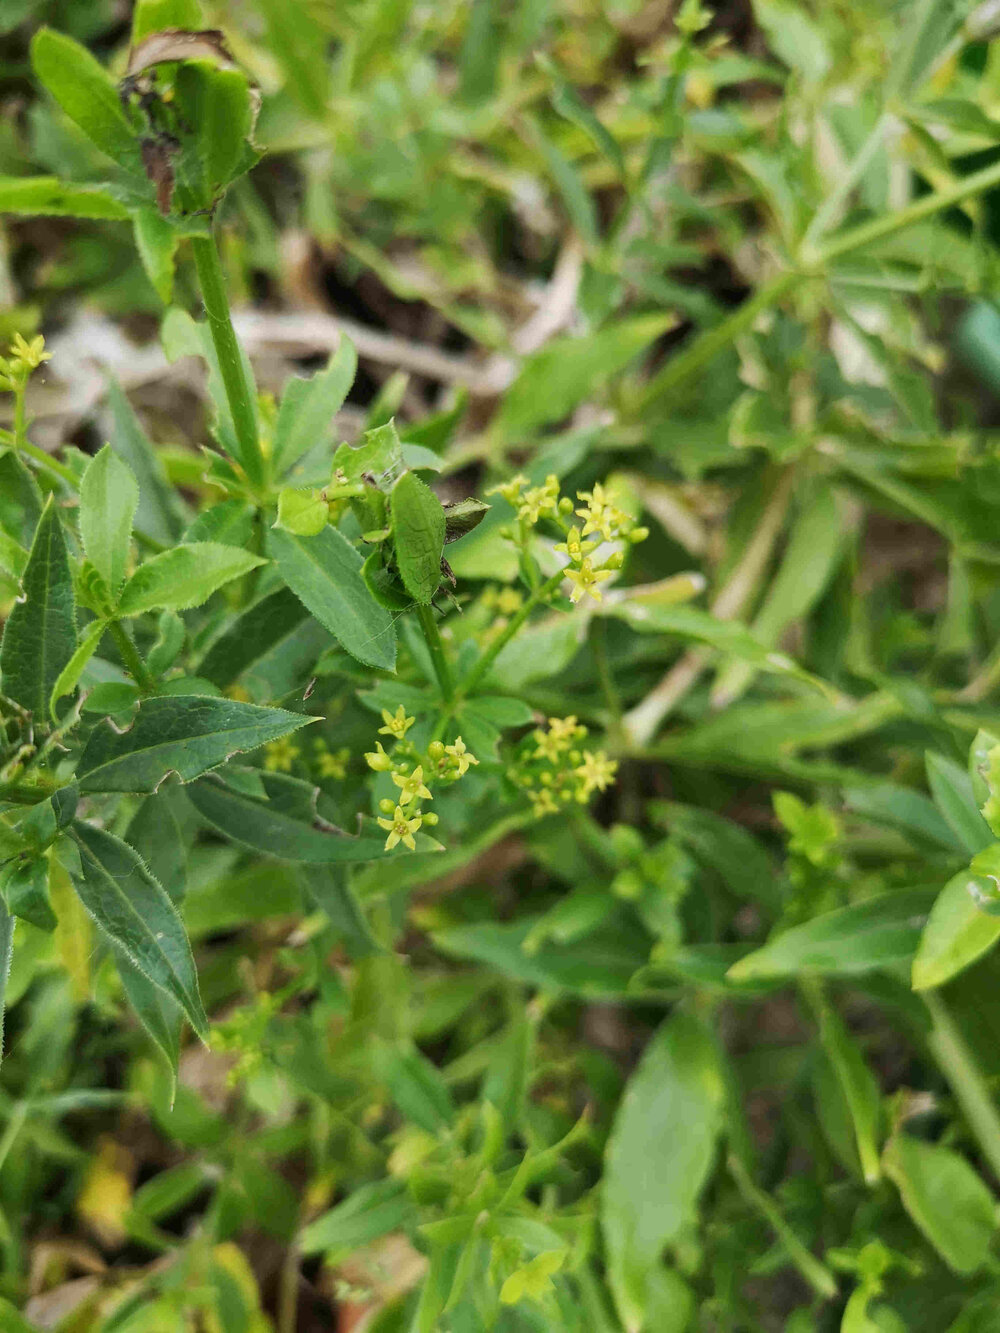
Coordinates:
[411,786]
[30,355]
[401,829]
[586,580]
[510,490]
[540,501]
[462,757]
[575,547]
[378,759]
[397,724]
[331,765]
[567,728]
[600,514]
[596,773]
[508,601]
[543,803]
[280,755]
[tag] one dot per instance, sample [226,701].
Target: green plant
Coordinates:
[571,955]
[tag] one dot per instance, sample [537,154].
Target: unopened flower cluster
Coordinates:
[282,755]
[21,359]
[593,520]
[553,767]
[414,773]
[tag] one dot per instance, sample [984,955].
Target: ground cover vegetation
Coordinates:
[499,752]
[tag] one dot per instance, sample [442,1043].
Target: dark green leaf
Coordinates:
[26,890]
[155,1009]
[40,635]
[158,515]
[251,635]
[128,903]
[182,734]
[418,528]
[184,577]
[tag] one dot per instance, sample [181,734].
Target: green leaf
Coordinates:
[155,1009]
[728,848]
[859,1086]
[69,677]
[48,196]
[26,892]
[217,103]
[879,932]
[88,95]
[158,515]
[40,635]
[324,573]
[946,1198]
[658,1156]
[957,931]
[370,1212]
[155,15]
[109,497]
[129,904]
[184,577]
[418,528]
[339,903]
[257,631]
[287,825]
[415,1085]
[304,513]
[305,417]
[559,377]
[157,241]
[182,734]
[20,499]
[951,788]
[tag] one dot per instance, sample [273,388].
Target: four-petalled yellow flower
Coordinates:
[586,579]
[396,724]
[411,786]
[401,829]
[462,757]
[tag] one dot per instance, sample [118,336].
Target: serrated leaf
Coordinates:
[88,95]
[286,825]
[26,892]
[659,1155]
[48,196]
[155,1009]
[158,515]
[186,576]
[20,499]
[183,734]
[324,573]
[40,635]
[109,497]
[129,904]
[259,629]
[156,241]
[305,417]
[418,528]
[218,104]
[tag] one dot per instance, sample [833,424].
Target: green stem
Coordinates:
[959,1067]
[811,263]
[815,1273]
[513,626]
[130,657]
[435,645]
[46,461]
[234,378]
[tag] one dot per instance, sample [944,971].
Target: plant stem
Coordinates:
[227,348]
[513,625]
[435,645]
[959,1067]
[45,460]
[130,657]
[815,1273]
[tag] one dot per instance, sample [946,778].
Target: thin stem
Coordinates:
[130,657]
[959,1067]
[514,624]
[227,348]
[815,1273]
[435,646]
[825,215]
[46,461]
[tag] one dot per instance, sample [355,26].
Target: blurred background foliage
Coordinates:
[601,238]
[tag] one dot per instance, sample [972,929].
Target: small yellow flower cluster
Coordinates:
[601,518]
[280,755]
[552,769]
[328,763]
[412,772]
[21,359]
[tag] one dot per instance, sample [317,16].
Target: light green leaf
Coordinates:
[26,891]
[184,577]
[324,573]
[109,497]
[156,240]
[371,1211]
[129,904]
[304,513]
[218,104]
[945,1198]
[158,515]
[183,734]
[859,1086]
[6,953]
[879,932]
[305,417]
[155,15]
[957,931]
[48,196]
[559,377]
[659,1155]
[69,677]
[418,527]
[87,93]
[40,635]
[951,788]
